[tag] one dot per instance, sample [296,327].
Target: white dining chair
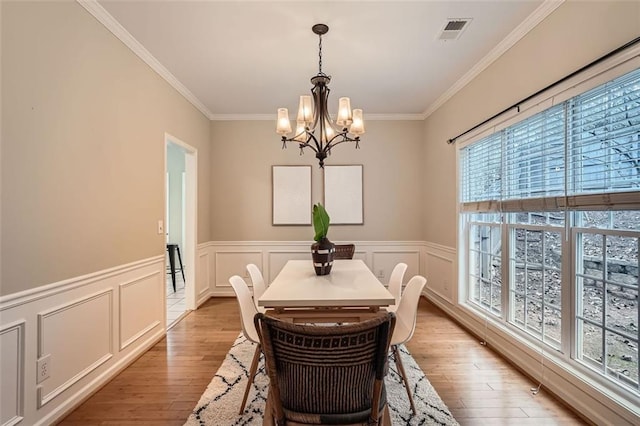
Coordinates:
[406,324]
[247,312]
[258,284]
[395,284]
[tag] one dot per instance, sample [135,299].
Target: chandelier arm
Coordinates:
[308,145]
[345,138]
[300,144]
[318,145]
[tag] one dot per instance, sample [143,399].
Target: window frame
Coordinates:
[567,203]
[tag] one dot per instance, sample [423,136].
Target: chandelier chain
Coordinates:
[320,54]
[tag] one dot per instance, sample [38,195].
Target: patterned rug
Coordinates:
[219,404]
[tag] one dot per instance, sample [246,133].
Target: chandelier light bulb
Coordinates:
[301,135]
[328,131]
[344,117]
[305,110]
[284,125]
[357,127]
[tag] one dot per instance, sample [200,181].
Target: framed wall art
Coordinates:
[343,194]
[291,195]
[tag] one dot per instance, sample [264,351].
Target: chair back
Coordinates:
[247,308]
[258,284]
[326,374]
[344,251]
[408,309]
[395,282]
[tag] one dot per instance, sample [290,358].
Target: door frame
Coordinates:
[190,222]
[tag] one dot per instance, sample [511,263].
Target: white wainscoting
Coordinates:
[89,328]
[203,275]
[229,258]
[95,325]
[441,277]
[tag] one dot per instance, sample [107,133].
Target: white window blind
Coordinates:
[534,156]
[605,137]
[591,140]
[482,170]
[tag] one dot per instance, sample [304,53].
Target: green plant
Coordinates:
[320,221]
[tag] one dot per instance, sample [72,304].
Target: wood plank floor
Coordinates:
[164,384]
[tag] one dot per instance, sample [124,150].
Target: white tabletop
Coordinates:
[350,284]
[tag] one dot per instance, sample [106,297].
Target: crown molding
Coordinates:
[272,117]
[95,9]
[538,15]
[105,18]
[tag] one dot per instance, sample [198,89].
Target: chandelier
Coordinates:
[314,127]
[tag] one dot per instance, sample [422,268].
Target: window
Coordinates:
[607,293]
[485,266]
[535,288]
[550,213]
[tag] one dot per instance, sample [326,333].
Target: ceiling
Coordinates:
[244,59]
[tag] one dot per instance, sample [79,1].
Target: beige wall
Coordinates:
[571,37]
[83,130]
[83,124]
[243,152]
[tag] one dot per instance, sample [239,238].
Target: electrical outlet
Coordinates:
[160,227]
[380,273]
[44,368]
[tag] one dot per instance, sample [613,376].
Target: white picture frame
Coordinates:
[291,195]
[343,194]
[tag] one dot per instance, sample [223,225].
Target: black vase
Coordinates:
[322,255]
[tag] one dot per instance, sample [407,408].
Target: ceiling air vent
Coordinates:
[453,28]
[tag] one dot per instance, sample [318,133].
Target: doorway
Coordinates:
[180,227]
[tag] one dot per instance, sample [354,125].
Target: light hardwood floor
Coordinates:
[164,384]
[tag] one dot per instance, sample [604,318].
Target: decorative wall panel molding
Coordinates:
[231,258]
[137,319]
[87,323]
[383,262]
[276,259]
[441,277]
[203,276]
[12,373]
[234,262]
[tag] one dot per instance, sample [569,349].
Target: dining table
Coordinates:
[349,293]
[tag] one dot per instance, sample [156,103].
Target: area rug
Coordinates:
[220,403]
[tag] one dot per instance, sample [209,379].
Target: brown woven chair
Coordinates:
[344,251]
[326,375]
